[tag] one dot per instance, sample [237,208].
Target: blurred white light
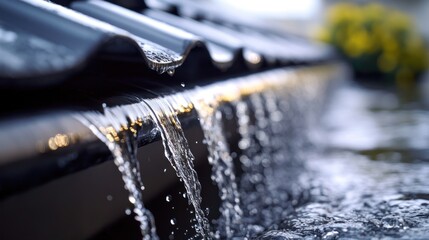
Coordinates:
[292,9]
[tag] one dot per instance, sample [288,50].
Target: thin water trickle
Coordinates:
[223,174]
[118,129]
[263,153]
[252,184]
[178,153]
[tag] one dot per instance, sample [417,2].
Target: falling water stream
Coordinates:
[223,172]
[249,204]
[253,158]
[178,153]
[118,130]
[120,135]
[361,187]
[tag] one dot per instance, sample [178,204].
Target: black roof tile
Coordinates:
[45,44]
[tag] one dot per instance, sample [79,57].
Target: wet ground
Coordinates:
[368,177]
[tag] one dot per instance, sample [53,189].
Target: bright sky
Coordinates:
[296,9]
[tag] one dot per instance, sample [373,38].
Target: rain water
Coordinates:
[348,174]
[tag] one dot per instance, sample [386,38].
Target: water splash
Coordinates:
[118,128]
[178,153]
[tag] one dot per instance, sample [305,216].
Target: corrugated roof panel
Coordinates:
[44,43]
[213,37]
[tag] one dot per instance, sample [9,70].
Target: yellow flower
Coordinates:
[377,36]
[374,11]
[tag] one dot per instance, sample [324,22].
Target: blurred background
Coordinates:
[383,41]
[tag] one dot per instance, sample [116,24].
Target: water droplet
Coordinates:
[173,221]
[109,197]
[165,169]
[254,211]
[184,195]
[168,198]
[392,222]
[331,235]
[170,72]
[182,84]
[132,199]
[128,211]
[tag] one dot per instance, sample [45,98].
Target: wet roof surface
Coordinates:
[43,43]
